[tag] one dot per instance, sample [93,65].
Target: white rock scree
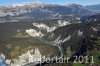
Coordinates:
[26,58]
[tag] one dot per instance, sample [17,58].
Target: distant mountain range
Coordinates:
[94,8]
[42,11]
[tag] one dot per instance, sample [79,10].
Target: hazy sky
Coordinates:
[81,2]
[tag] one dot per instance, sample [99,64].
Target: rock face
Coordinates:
[24,59]
[28,58]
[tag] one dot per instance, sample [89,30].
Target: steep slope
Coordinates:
[78,39]
[79,30]
[91,18]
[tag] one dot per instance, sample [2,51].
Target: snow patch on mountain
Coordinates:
[34,33]
[74,6]
[10,13]
[32,4]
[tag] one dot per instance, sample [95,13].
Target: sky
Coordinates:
[61,2]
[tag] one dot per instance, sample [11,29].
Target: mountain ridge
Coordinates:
[41,11]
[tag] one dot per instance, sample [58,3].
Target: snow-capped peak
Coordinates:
[74,6]
[34,4]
